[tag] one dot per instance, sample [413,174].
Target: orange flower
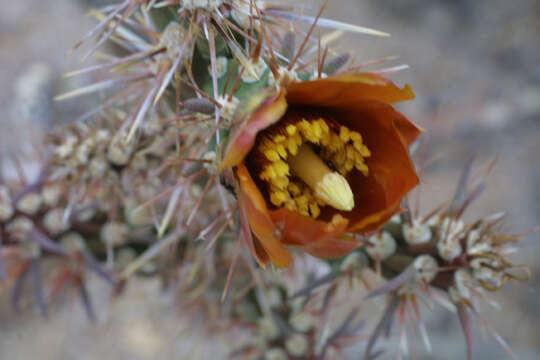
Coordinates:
[318,160]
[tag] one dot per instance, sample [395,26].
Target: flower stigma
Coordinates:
[329,186]
[304,163]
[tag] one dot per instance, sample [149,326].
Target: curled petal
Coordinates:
[374,221]
[320,238]
[267,236]
[260,112]
[407,129]
[302,230]
[392,174]
[334,248]
[347,89]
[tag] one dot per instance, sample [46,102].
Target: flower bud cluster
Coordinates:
[89,197]
[446,253]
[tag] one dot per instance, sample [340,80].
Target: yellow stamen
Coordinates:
[272,155]
[344,148]
[344,134]
[329,186]
[291,129]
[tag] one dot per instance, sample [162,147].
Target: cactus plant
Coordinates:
[234,139]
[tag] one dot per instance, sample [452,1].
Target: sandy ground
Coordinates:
[475,67]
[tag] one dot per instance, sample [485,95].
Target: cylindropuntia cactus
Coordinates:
[220,134]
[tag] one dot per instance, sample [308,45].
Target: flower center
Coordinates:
[306,161]
[328,186]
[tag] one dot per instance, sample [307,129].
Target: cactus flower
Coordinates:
[318,161]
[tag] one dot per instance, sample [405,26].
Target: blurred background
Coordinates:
[475,67]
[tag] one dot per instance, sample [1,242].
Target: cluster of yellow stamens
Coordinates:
[346,151]
[282,147]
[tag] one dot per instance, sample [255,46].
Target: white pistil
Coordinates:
[328,186]
[334,189]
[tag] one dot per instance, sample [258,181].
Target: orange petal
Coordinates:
[261,111]
[408,130]
[334,248]
[253,244]
[391,172]
[343,90]
[374,221]
[319,238]
[266,233]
